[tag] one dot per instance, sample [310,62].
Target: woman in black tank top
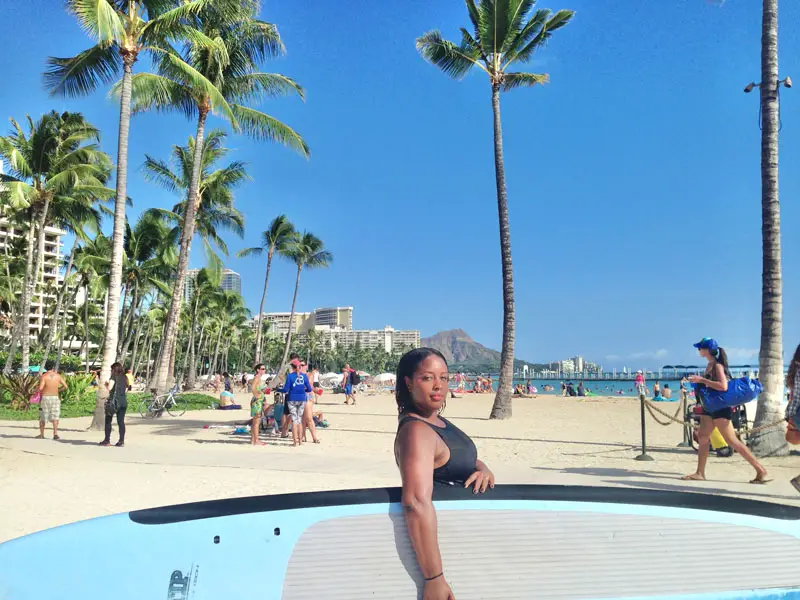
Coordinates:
[716,378]
[430,451]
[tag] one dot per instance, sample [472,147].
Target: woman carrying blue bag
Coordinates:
[717,376]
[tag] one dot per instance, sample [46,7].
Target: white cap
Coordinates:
[639,371]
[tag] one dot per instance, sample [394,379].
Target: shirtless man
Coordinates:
[50,405]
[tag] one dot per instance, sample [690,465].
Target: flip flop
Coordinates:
[693,477]
[796,483]
[56,437]
[39,437]
[760,481]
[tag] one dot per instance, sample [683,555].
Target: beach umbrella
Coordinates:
[384,378]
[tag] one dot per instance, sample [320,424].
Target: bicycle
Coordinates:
[155,406]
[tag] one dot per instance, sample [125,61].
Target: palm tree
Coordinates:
[771,442]
[123,30]
[240,42]
[56,162]
[504,33]
[306,251]
[276,238]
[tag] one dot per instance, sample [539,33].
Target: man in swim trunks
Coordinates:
[50,404]
[347,384]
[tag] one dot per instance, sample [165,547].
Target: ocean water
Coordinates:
[598,387]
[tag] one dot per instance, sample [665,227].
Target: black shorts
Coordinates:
[723,413]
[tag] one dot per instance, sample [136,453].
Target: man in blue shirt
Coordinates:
[295,389]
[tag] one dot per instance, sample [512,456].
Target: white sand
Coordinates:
[44,483]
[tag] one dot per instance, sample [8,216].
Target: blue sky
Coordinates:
[633,176]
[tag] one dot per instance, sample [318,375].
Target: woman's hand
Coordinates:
[482,478]
[437,589]
[695,379]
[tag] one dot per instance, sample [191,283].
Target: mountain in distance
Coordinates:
[465,354]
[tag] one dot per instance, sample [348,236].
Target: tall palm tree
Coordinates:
[306,251]
[122,31]
[276,238]
[56,162]
[504,32]
[770,361]
[241,41]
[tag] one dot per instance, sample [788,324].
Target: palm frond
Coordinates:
[98,19]
[263,127]
[160,173]
[154,92]
[81,74]
[254,86]
[184,73]
[514,80]
[557,21]
[246,252]
[455,61]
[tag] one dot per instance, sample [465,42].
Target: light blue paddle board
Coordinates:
[543,542]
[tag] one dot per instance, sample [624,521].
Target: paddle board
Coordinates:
[544,542]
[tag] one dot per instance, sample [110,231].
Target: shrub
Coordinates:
[19,388]
[76,387]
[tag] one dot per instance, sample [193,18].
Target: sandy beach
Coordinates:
[550,440]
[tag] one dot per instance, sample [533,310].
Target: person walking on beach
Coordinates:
[430,452]
[257,389]
[793,408]
[347,384]
[716,377]
[116,404]
[50,404]
[563,389]
[640,384]
[308,411]
[296,389]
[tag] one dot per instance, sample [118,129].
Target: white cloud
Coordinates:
[650,354]
[741,353]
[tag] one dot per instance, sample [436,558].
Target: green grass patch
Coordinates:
[84,406]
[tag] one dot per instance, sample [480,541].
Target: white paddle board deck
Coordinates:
[544,542]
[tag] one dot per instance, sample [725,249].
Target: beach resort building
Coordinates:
[50,278]
[334,327]
[231,282]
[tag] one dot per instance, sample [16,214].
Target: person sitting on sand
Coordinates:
[716,377]
[793,408]
[50,384]
[226,399]
[666,392]
[430,451]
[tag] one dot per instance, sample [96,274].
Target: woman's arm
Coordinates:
[416,448]
[254,386]
[721,385]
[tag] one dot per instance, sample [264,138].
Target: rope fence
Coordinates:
[653,409]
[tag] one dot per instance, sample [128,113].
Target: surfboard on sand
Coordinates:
[543,542]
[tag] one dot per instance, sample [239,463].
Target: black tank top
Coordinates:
[463,454]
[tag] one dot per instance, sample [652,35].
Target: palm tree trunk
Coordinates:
[184,370]
[149,356]
[502,401]
[123,317]
[117,239]
[62,328]
[187,233]
[137,356]
[135,304]
[216,350]
[48,343]
[191,374]
[270,253]
[291,327]
[34,254]
[771,442]
[198,357]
